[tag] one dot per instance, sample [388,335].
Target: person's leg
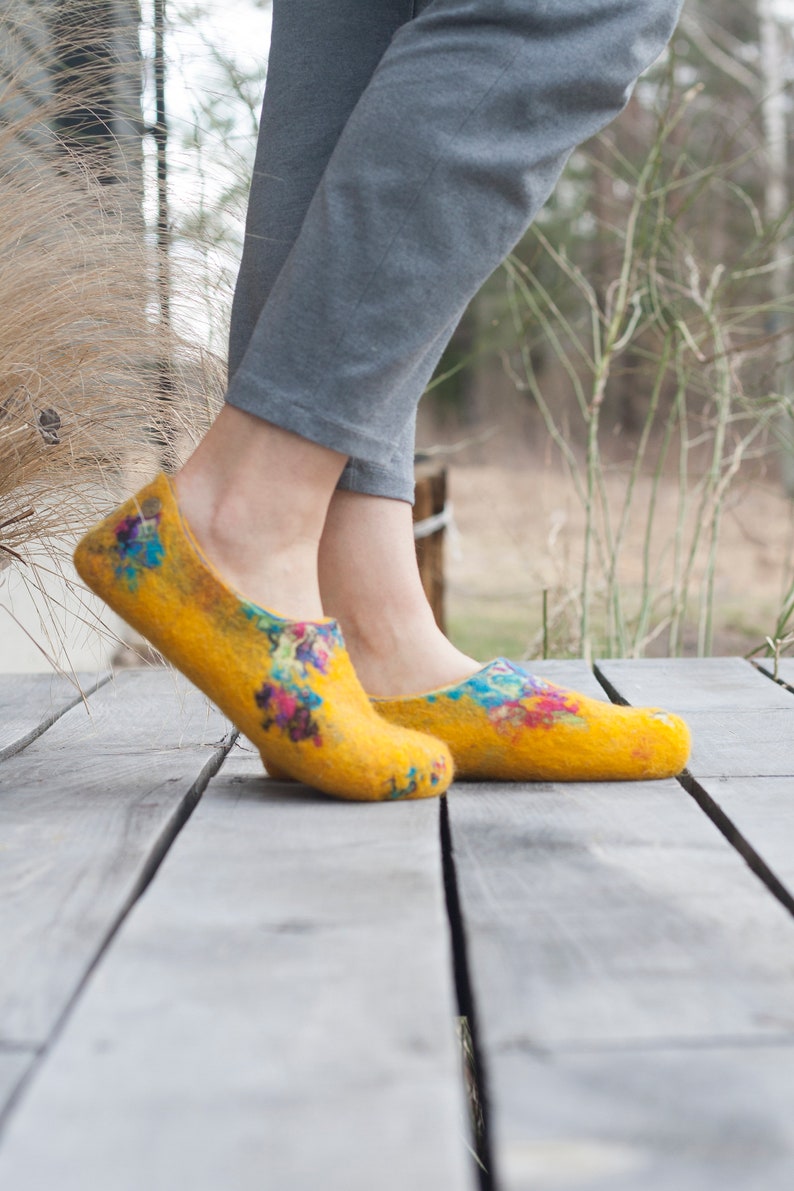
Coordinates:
[403,227]
[198,563]
[499,722]
[369,581]
[322,56]
[451,150]
[256,498]
[511,102]
[368,573]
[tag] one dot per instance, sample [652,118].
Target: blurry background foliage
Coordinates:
[634,353]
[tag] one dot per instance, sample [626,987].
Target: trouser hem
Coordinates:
[312,424]
[370,480]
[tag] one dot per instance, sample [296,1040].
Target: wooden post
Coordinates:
[431,501]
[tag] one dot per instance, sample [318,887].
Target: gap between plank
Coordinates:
[82,696]
[721,821]
[777,681]
[466,1008]
[168,836]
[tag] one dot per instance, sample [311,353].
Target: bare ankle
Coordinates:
[256,497]
[400,656]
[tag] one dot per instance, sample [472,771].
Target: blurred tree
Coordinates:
[97,79]
[728,174]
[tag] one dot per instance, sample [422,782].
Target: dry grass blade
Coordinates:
[81,354]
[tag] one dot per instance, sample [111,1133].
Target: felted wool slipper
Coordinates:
[288,685]
[504,725]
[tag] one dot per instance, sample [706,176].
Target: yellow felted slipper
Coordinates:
[288,685]
[504,725]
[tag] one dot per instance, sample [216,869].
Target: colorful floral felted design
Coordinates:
[514,700]
[504,724]
[138,545]
[289,707]
[294,646]
[288,685]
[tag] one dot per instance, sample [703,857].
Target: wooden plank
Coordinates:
[83,812]
[31,703]
[572,673]
[743,755]
[744,742]
[609,926]
[615,914]
[762,810]
[742,723]
[276,1012]
[430,501]
[710,1120]
[785,671]
[635,939]
[693,684]
[14,1063]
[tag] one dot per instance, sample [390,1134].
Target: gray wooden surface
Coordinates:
[694,684]
[84,812]
[785,671]
[14,1064]
[569,674]
[663,1119]
[742,722]
[275,1009]
[616,941]
[762,810]
[30,703]
[277,1012]
[743,754]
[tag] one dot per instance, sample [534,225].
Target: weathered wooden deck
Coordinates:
[211,981]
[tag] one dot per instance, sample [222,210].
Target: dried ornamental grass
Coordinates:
[85,363]
[74,334]
[77,384]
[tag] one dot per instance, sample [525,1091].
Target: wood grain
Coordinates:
[430,498]
[14,1064]
[83,813]
[742,723]
[744,742]
[694,684]
[615,914]
[762,810]
[276,1012]
[715,1119]
[785,669]
[633,983]
[31,703]
[743,752]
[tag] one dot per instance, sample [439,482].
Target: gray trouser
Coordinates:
[404,149]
